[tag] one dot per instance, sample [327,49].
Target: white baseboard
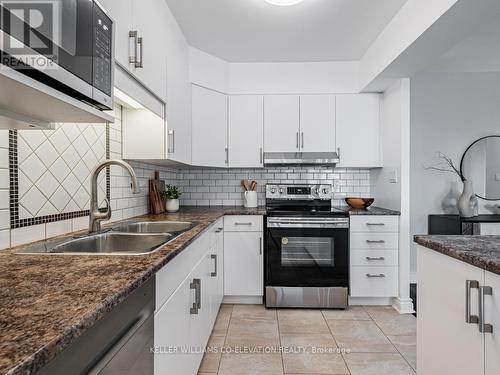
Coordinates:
[370,301]
[403,305]
[243,300]
[413,277]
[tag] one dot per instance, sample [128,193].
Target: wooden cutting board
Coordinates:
[156,204]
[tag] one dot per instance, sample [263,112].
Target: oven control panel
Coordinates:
[299,192]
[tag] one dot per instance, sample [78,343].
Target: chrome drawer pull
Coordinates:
[381,275]
[375,224]
[370,258]
[196,285]
[470,284]
[242,223]
[214,257]
[484,327]
[372,241]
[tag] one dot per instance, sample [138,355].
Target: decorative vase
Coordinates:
[467,203]
[449,204]
[172,205]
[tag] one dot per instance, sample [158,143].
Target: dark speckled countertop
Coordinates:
[371,211]
[47,301]
[480,251]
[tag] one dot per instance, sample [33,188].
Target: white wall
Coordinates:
[448,112]
[395,143]
[272,78]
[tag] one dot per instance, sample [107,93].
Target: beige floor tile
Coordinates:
[254,312]
[360,336]
[210,362]
[301,321]
[222,322]
[297,363]
[377,364]
[251,364]
[207,373]
[311,341]
[407,346]
[250,332]
[351,313]
[391,322]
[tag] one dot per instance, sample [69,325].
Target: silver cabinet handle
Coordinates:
[371,276]
[227,155]
[140,63]
[379,258]
[375,224]
[196,285]
[297,140]
[261,156]
[338,152]
[373,241]
[242,223]
[302,139]
[171,141]
[214,258]
[260,245]
[484,327]
[218,230]
[470,284]
[132,59]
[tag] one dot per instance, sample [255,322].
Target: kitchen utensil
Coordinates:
[246,185]
[360,203]
[253,186]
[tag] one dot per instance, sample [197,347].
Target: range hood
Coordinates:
[320,159]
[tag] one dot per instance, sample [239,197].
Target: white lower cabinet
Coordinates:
[374,256]
[184,319]
[446,342]
[243,257]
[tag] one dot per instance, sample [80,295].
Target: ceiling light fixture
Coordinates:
[283,3]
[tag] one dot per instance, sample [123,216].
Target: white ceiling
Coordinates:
[479,53]
[254,31]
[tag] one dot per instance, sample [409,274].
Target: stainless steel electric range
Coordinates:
[307,245]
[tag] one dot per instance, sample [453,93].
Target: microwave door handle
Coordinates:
[132,59]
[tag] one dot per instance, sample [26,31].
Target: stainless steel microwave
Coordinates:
[65,44]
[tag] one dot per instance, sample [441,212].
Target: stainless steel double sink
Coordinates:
[134,238]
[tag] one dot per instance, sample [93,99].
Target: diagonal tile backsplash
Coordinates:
[54,169]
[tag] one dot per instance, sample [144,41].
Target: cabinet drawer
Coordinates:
[374,241]
[372,223]
[214,230]
[243,223]
[174,272]
[374,281]
[374,258]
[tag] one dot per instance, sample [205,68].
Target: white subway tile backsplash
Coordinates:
[4,239]
[21,236]
[58,228]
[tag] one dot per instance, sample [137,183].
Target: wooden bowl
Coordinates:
[360,203]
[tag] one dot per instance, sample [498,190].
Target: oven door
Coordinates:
[310,252]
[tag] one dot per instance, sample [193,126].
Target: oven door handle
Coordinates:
[307,224]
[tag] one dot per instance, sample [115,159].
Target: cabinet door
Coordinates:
[246,131]
[358,130]
[492,316]
[446,344]
[243,264]
[121,13]
[149,19]
[209,128]
[317,123]
[143,134]
[281,123]
[216,274]
[171,333]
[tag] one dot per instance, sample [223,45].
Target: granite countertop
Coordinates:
[480,251]
[47,301]
[371,211]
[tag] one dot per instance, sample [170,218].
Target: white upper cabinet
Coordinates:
[317,123]
[358,130]
[246,131]
[143,134]
[281,123]
[145,19]
[209,128]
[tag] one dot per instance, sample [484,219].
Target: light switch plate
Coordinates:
[393,176]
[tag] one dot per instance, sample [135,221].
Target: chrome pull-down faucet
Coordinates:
[97,216]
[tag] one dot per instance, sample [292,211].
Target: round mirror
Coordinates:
[481,165]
